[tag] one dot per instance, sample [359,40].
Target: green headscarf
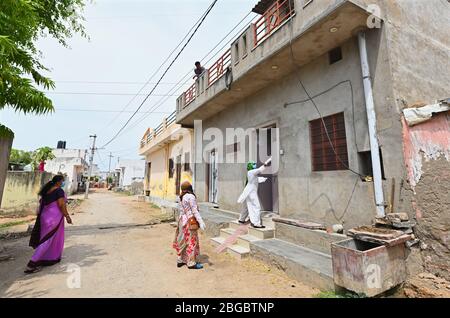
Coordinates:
[251,165]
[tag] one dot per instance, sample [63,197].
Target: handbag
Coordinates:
[192,221]
[193,224]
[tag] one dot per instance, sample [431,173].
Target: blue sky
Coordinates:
[129,39]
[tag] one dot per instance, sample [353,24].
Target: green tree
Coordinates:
[41,155]
[22,23]
[20,157]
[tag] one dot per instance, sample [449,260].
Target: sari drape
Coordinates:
[47,237]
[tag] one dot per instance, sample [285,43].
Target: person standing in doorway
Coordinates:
[186,241]
[250,195]
[47,237]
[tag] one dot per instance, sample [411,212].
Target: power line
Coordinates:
[159,68]
[164,74]
[110,83]
[102,94]
[102,111]
[179,85]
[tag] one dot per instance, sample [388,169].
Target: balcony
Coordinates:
[159,136]
[261,55]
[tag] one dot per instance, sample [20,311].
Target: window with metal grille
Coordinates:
[324,158]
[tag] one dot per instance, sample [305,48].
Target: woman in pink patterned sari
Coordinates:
[186,241]
[47,237]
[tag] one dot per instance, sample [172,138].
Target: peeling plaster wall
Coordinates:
[425,142]
[427,159]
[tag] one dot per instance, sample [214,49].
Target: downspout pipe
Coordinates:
[372,122]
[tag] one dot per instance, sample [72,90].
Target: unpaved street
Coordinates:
[119,257]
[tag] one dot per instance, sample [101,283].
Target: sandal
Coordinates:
[196,266]
[180,264]
[33,270]
[258,227]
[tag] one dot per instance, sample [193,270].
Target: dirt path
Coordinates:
[119,258]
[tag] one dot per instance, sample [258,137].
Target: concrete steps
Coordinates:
[303,264]
[245,236]
[237,251]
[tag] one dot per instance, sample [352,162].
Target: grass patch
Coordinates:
[10,224]
[154,206]
[331,294]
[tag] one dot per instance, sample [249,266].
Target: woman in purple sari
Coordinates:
[47,237]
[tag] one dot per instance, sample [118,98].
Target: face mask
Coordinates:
[63,184]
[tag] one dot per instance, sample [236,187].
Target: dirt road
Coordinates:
[116,256]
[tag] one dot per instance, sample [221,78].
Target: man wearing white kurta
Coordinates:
[250,194]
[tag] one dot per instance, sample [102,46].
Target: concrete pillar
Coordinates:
[6,139]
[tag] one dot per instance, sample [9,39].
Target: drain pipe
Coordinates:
[372,122]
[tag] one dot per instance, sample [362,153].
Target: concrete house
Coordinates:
[168,155]
[70,162]
[129,171]
[349,65]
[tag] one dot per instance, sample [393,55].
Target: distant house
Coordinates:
[168,156]
[72,163]
[129,171]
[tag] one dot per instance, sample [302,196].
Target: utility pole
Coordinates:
[110,157]
[91,162]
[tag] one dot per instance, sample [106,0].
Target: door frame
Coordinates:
[275,183]
[212,189]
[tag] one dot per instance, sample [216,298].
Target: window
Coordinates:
[187,159]
[171,168]
[244,45]
[236,53]
[324,157]
[335,55]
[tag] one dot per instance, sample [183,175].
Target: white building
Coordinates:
[128,171]
[69,162]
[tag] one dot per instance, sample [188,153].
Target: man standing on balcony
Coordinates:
[199,70]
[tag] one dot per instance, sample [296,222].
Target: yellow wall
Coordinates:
[21,188]
[160,184]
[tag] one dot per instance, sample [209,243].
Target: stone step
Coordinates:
[243,240]
[246,240]
[312,239]
[262,234]
[227,232]
[305,265]
[234,250]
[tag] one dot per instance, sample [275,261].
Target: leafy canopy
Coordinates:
[31,157]
[22,23]
[21,157]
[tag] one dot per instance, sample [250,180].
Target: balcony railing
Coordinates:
[276,15]
[152,134]
[190,94]
[218,69]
